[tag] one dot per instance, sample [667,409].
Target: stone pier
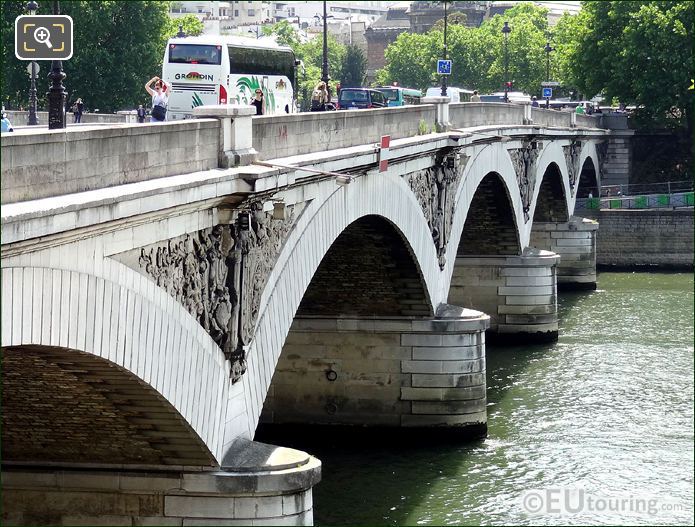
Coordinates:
[267,486]
[383,372]
[575,242]
[518,292]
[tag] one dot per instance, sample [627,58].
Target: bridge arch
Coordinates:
[63,405]
[67,317]
[492,164]
[588,179]
[551,203]
[490,227]
[326,218]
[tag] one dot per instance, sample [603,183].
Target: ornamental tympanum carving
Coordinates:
[218,275]
[572,153]
[602,154]
[524,163]
[435,190]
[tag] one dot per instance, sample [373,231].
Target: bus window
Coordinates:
[255,61]
[194,54]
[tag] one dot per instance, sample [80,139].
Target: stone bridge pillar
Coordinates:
[575,242]
[383,372]
[518,292]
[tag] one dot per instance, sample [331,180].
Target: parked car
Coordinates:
[360,98]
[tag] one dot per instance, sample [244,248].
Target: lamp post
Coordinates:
[56,93]
[547,50]
[324,65]
[446,17]
[505,31]
[32,7]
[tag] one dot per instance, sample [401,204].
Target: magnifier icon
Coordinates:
[42,36]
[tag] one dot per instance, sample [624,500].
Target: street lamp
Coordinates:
[547,50]
[446,17]
[32,7]
[505,31]
[56,93]
[324,65]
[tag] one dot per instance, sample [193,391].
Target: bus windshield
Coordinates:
[194,54]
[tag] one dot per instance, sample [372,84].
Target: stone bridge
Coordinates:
[166,288]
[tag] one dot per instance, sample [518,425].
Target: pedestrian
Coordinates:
[534,102]
[160,99]
[591,195]
[259,102]
[6,124]
[77,110]
[579,110]
[319,98]
[475,97]
[141,114]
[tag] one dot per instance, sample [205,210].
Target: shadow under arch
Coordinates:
[551,203]
[340,363]
[68,406]
[490,227]
[588,180]
[369,270]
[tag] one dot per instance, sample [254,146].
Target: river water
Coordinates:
[594,429]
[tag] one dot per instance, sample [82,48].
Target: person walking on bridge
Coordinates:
[475,97]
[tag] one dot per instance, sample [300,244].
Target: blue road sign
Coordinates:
[444,67]
[548,93]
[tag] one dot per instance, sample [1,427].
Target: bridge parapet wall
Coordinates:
[277,136]
[55,163]
[467,114]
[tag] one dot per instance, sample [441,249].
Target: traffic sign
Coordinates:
[550,84]
[444,67]
[548,93]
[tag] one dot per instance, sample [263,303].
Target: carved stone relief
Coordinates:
[218,275]
[435,189]
[572,153]
[524,162]
[602,154]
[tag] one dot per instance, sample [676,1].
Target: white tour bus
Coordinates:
[227,70]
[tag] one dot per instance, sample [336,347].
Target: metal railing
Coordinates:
[640,189]
[671,199]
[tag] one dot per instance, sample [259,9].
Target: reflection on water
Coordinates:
[607,409]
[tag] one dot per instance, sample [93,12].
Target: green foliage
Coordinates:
[641,53]
[118,47]
[354,67]
[192,26]
[284,33]
[311,54]
[477,53]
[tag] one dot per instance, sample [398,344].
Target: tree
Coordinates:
[192,26]
[354,67]
[284,34]
[641,53]
[477,53]
[118,46]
